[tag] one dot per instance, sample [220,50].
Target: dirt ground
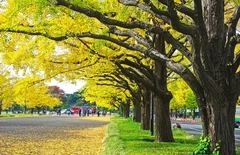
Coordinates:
[52,135]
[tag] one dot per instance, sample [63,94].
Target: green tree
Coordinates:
[72,98]
[191,102]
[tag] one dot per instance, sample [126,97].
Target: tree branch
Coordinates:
[133,24]
[147,72]
[236,62]
[237,75]
[168,37]
[175,21]
[232,38]
[232,23]
[134,76]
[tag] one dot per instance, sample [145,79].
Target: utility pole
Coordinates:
[151,114]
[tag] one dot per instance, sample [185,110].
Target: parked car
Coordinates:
[66,111]
[237,124]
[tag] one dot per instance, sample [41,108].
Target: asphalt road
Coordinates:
[196,129]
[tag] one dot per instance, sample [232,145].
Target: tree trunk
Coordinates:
[185,112]
[221,118]
[162,120]
[126,109]
[137,113]
[171,112]
[211,68]
[162,97]
[38,110]
[136,110]
[145,121]
[176,113]
[25,109]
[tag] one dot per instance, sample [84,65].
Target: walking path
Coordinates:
[52,135]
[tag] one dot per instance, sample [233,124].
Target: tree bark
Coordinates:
[211,69]
[162,120]
[171,112]
[145,121]
[221,125]
[32,109]
[137,112]
[162,97]
[126,109]
[25,109]
[38,110]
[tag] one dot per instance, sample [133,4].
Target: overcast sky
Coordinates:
[68,87]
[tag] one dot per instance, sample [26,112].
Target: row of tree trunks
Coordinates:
[161,99]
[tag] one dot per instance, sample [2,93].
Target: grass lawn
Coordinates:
[124,137]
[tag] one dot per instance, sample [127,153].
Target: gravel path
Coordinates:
[51,135]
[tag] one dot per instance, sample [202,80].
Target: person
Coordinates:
[59,112]
[87,112]
[177,126]
[79,112]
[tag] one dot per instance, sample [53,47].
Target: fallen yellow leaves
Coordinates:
[61,140]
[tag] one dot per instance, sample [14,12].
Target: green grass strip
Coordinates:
[112,144]
[124,136]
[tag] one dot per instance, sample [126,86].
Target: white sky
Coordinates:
[68,87]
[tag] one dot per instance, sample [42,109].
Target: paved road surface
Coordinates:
[196,129]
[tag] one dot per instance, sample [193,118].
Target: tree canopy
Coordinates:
[204,33]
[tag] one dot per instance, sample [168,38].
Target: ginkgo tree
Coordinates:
[208,40]
[191,102]
[125,70]
[6,93]
[103,88]
[106,96]
[183,96]
[31,95]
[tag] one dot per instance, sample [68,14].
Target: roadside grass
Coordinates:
[124,137]
[238,150]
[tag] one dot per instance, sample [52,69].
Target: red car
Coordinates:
[75,109]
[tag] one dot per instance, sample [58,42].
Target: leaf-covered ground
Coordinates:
[52,135]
